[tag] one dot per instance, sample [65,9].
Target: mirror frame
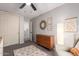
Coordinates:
[43,27]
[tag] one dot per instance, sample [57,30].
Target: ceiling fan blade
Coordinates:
[33,7]
[22,6]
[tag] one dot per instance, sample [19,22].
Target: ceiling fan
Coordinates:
[32,5]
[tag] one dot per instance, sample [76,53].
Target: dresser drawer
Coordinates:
[46,41]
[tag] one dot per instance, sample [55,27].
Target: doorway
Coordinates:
[31,32]
[26,30]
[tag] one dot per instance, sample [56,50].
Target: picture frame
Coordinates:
[70,24]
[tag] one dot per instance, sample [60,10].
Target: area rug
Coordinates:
[29,51]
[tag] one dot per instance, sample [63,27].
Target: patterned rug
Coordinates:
[29,51]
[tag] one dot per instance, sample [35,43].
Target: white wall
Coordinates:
[58,15]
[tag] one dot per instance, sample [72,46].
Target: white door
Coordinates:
[9,28]
[30,28]
[1,26]
[2,31]
[13,29]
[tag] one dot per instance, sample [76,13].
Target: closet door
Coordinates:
[1,33]
[3,28]
[12,29]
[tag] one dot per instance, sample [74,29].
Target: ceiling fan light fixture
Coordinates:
[28,3]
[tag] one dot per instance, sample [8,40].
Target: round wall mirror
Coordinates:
[43,24]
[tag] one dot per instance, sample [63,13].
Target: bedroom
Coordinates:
[21,28]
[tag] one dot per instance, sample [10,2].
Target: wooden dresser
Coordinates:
[45,40]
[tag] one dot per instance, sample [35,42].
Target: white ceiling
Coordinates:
[10,7]
[27,11]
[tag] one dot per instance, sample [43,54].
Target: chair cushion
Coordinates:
[75,51]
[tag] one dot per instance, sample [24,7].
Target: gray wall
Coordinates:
[58,15]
